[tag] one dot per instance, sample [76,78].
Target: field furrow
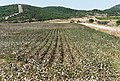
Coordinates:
[50,56]
[70,57]
[44,51]
[58,52]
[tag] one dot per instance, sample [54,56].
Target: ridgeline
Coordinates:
[32,13]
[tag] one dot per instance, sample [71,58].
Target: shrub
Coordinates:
[72,21]
[0,78]
[118,22]
[103,22]
[78,21]
[91,20]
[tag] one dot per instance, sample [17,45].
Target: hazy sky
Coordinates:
[75,4]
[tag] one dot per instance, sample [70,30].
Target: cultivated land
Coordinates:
[42,51]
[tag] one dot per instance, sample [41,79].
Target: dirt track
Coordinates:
[112,31]
[20,10]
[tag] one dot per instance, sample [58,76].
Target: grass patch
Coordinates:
[0,78]
[8,59]
[108,18]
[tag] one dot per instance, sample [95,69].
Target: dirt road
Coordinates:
[20,10]
[112,31]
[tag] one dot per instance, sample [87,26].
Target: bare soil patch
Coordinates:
[112,31]
[2,61]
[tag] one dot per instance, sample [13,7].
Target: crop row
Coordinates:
[60,54]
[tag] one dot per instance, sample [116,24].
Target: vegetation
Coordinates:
[114,11]
[118,22]
[32,13]
[91,20]
[78,21]
[0,78]
[7,10]
[103,22]
[108,18]
[72,21]
[43,51]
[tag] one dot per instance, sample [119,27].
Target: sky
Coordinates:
[74,4]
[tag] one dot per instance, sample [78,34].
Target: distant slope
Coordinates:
[114,11]
[46,13]
[32,13]
[8,10]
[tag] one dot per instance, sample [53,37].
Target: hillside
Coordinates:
[7,10]
[32,13]
[114,11]
[37,13]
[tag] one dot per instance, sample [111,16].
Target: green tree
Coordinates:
[78,21]
[91,20]
[72,21]
[118,22]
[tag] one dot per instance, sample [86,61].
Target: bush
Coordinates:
[0,78]
[91,20]
[78,21]
[118,22]
[103,22]
[72,21]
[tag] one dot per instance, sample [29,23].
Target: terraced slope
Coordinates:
[58,52]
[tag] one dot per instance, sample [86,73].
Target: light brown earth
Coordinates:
[57,52]
[103,28]
[110,30]
[2,61]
